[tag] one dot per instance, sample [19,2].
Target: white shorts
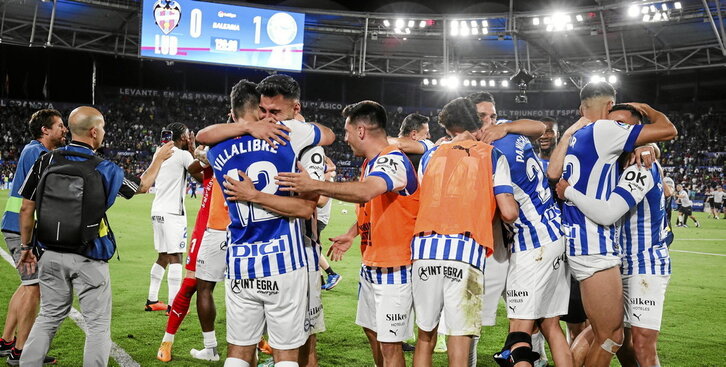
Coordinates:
[314,319]
[585,266]
[495,282]
[276,304]
[644,295]
[451,288]
[538,283]
[212,256]
[386,309]
[170,232]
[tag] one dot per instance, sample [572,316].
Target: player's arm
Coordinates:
[557,158]
[352,192]
[327,136]
[503,188]
[408,145]
[526,127]
[244,190]
[265,129]
[508,207]
[633,185]
[660,129]
[149,176]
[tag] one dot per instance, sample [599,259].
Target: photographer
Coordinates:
[84,270]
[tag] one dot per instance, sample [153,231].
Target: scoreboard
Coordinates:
[198,31]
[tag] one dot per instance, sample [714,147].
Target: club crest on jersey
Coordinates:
[167,14]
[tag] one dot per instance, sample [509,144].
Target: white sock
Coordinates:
[168,338]
[174,279]
[472,351]
[157,274]
[210,340]
[286,364]
[235,362]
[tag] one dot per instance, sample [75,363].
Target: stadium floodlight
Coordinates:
[665,16]
[452,82]
[475,31]
[485,23]
[677,5]
[474,24]
[550,27]
[657,17]
[454,27]
[535,21]
[422,24]
[484,30]
[579,18]
[386,23]
[426,81]
[505,83]
[482,83]
[646,18]
[408,30]
[434,81]
[397,30]
[492,83]
[644,10]
[411,23]
[633,11]
[399,23]
[558,82]
[547,20]
[664,6]
[653,9]
[466,82]
[612,79]
[570,26]
[595,79]
[464,29]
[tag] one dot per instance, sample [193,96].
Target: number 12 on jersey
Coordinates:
[261,173]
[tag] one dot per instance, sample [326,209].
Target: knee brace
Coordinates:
[610,346]
[508,357]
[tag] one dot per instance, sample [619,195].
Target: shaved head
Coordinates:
[83,119]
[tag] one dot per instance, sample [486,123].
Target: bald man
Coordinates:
[86,270]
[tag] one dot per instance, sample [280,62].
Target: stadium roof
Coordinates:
[582,37]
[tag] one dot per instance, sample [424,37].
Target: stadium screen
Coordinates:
[198,31]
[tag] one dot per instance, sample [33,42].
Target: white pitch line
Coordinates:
[699,253]
[118,353]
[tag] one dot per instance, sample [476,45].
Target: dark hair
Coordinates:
[549,119]
[479,97]
[244,96]
[369,112]
[626,107]
[596,89]
[41,119]
[459,115]
[279,84]
[177,129]
[412,122]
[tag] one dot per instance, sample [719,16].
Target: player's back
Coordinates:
[644,229]
[591,167]
[171,183]
[262,243]
[539,218]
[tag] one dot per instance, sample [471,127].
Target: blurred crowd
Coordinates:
[133,124]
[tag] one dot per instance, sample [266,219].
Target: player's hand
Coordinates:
[330,166]
[339,246]
[240,190]
[200,154]
[643,156]
[494,133]
[270,131]
[299,182]
[582,122]
[28,262]
[643,108]
[164,152]
[561,187]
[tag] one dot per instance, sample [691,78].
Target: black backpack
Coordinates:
[70,202]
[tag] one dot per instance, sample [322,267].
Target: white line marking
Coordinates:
[699,253]
[118,353]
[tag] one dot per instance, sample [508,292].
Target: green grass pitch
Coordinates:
[694,320]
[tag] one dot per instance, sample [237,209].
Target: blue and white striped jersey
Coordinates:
[386,275]
[459,247]
[539,217]
[262,243]
[591,167]
[644,228]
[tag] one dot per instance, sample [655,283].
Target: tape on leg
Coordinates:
[610,346]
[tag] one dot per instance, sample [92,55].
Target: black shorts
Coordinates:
[718,206]
[575,311]
[686,210]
